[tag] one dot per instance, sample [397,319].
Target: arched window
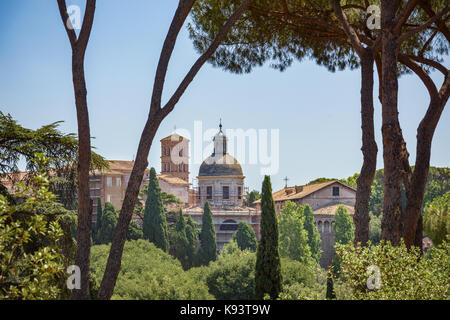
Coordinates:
[229,224]
[319,226]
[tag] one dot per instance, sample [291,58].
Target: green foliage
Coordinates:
[314,240]
[148,273]
[180,243]
[232,276]
[268,276]
[404,275]
[155,224]
[438,184]
[262,35]
[98,223]
[32,261]
[436,218]
[208,247]
[320,180]
[134,231]
[245,237]
[374,228]
[61,150]
[293,237]
[252,197]
[108,225]
[343,226]
[192,234]
[330,295]
[168,198]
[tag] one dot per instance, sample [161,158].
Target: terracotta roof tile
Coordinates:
[331,209]
[298,192]
[172,179]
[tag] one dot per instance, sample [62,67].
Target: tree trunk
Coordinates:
[133,188]
[84,160]
[416,190]
[369,149]
[156,116]
[393,143]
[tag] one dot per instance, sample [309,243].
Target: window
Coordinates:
[229,225]
[239,192]
[209,192]
[226,192]
[180,153]
[109,181]
[118,182]
[336,191]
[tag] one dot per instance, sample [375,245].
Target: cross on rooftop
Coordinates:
[286,180]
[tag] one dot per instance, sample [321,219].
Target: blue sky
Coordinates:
[317,112]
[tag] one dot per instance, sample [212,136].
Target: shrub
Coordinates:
[403,274]
[148,273]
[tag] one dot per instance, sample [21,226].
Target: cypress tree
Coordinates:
[245,237]
[330,287]
[180,241]
[208,247]
[191,235]
[98,223]
[108,224]
[343,226]
[155,224]
[268,266]
[314,240]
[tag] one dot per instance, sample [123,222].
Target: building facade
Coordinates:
[110,185]
[221,183]
[324,198]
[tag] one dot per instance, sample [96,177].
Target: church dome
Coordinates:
[220,165]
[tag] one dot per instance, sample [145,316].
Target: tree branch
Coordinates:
[183,9]
[404,15]
[425,5]
[65,19]
[430,63]
[88,21]
[351,33]
[422,27]
[428,82]
[204,57]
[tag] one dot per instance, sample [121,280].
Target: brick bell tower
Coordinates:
[175,156]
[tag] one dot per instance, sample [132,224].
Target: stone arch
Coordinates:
[320,226]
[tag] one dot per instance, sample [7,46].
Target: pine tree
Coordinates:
[245,237]
[313,234]
[268,266]
[343,226]
[208,247]
[155,224]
